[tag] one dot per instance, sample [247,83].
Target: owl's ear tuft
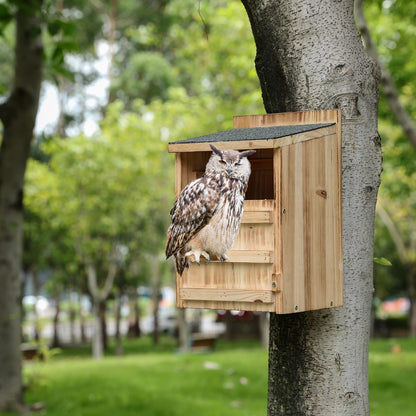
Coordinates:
[216,150]
[247,153]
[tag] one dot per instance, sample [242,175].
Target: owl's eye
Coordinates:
[223,162]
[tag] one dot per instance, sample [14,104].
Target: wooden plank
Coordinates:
[178,174]
[230,305]
[255,237]
[254,144]
[277,271]
[259,205]
[304,137]
[293,229]
[252,217]
[286,119]
[235,295]
[251,256]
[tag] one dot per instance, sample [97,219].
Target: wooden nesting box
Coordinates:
[288,255]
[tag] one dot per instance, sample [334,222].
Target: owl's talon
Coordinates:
[206,256]
[224,257]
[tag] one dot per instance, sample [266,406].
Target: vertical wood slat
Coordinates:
[277,271]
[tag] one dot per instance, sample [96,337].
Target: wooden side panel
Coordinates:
[311,226]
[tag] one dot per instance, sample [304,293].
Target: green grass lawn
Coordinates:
[230,381]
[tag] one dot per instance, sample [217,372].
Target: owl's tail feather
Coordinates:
[180,262]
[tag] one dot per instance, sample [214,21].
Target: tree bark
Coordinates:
[18,115]
[310,57]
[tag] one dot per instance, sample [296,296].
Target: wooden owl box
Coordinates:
[287,256]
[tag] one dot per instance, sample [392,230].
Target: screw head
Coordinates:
[284,211]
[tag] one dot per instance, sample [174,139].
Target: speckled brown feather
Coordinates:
[192,210]
[207,214]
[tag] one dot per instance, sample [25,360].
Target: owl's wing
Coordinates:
[191,212]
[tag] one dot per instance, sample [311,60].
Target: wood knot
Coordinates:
[322,193]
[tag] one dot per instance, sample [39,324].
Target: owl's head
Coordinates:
[230,163]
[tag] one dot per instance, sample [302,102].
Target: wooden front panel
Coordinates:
[311,225]
[244,283]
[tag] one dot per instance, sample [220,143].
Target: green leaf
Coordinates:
[383,261]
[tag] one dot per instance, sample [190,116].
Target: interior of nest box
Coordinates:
[260,185]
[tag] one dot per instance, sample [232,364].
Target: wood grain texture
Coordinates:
[311,226]
[235,295]
[286,119]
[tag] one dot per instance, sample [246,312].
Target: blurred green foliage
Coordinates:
[392,27]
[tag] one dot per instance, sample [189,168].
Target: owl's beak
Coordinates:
[229,169]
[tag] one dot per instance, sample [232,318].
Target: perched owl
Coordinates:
[207,215]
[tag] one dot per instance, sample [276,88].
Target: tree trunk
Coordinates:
[136,307]
[18,115]
[184,332]
[97,336]
[134,323]
[72,314]
[118,350]
[98,296]
[411,275]
[103,323]
[55,340]
[155,297]
[310,57]
[82,321]
[35,288]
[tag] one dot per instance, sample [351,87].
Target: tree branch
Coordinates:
[386,81]
[394,232]
[92,280]
[112,271]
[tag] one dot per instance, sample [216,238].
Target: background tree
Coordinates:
[390,24]
[18,114]
[310,56]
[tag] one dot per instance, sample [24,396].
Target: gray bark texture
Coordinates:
[310,57]
[18,115]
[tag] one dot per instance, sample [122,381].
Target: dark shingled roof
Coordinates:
[257,133]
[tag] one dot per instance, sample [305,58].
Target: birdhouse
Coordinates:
[287,256]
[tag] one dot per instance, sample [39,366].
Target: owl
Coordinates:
[206,217]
